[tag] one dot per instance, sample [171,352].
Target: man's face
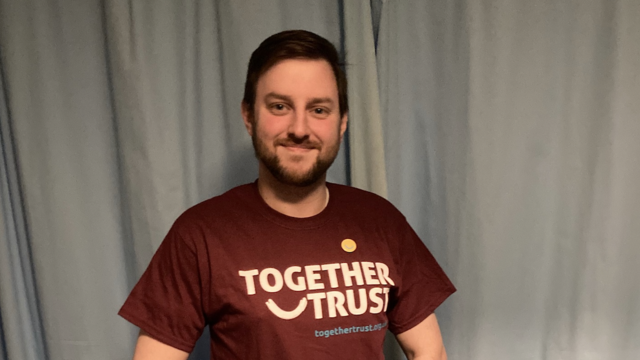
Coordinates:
[297,127]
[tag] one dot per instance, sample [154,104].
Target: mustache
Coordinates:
[298,143]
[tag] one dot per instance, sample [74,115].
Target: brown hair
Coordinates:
[293,44]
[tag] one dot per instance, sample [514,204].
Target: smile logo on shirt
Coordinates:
[287,315]
[348,245]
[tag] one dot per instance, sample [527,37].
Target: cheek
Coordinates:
[271,125]
[266,128]
[328,133]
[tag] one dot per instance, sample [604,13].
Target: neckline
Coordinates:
[291,222]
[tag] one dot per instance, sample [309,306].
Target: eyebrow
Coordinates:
[325,100]
[313,101]
[273,95]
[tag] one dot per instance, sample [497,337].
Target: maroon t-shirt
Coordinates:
[276,287]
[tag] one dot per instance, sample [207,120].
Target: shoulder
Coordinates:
[345,192]
[368,204]
[218,209]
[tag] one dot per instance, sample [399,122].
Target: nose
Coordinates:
[299,126]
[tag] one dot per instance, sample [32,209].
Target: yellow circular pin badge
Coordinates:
[348,245]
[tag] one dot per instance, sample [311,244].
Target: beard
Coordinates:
[272,162]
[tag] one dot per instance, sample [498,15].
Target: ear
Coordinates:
[343,124]
[246,117]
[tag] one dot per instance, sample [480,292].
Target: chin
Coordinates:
[299,177]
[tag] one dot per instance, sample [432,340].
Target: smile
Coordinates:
[298,148]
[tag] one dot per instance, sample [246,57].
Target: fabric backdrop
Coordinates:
[506,131]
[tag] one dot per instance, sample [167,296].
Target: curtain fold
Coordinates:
[61,119]
[366,144]
[20,321]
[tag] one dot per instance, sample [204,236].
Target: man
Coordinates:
[291,267]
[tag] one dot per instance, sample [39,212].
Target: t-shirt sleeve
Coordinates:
[167,300]
[422,284]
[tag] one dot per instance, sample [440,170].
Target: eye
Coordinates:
[320,112]
[278,108]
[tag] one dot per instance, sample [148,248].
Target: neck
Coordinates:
[294,201]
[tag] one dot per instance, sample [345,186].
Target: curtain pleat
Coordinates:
[21,330]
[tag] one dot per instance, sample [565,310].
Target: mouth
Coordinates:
[298,148]
[302,147]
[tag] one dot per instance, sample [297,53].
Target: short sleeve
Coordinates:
[422,284]
[167,300]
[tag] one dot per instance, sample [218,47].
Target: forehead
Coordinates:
[304,77]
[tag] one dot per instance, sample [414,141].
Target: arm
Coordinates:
[423,341]
[148,348]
